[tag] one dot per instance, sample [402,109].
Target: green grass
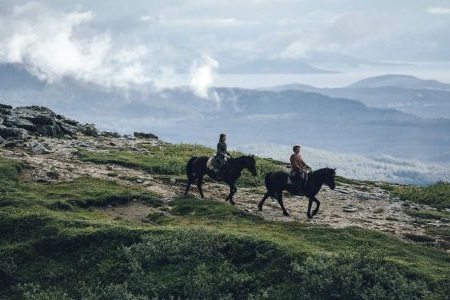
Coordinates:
[54,245]
[436,195]
[170,159]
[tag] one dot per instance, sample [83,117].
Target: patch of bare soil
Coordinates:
[365,206]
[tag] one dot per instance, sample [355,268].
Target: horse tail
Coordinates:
[189,164]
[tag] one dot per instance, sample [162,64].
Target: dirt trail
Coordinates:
[366,206]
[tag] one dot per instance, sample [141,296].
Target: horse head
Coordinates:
[329,180]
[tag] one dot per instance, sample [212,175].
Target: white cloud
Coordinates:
[47,43]
[341,33]
[270,117]
[439,10]
[299,48]
[217,22]
[202,77]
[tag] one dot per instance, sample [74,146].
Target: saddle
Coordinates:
[298,180]
[213,163]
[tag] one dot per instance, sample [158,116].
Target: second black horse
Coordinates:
[277,182]
[197,167]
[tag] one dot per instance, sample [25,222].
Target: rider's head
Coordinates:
[222,137]
[295,148]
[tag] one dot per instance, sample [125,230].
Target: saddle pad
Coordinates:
[209,163]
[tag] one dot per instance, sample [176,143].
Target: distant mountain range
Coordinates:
[424,98]
[401,81]
[284,115]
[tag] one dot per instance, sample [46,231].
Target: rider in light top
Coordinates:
[298,166]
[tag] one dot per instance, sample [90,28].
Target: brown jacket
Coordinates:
[297,162]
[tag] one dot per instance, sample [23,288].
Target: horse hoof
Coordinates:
[232,202]
[286,214]
[259,208]
[310,217]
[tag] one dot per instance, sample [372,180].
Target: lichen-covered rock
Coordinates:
[13,133]
[20,122]
[141,135]
[38,148]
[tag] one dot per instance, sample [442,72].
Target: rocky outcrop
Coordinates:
[22,122]
[142,135]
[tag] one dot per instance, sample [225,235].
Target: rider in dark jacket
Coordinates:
[222,154]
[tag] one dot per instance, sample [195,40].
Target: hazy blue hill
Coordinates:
[424,98]
[403,81]
[421,102]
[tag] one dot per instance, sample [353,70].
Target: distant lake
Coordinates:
[342,76]
[425,70]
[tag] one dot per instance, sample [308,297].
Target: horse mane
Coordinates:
[240,158]
[322,172]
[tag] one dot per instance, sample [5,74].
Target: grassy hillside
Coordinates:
[55,245]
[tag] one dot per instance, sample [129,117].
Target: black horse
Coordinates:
[197,167]
[277,182]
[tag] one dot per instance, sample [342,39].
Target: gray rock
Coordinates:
[38,148]
[13,133]
[89,130]
[142,135]
[39,120]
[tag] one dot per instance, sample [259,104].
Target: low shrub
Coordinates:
[436,195]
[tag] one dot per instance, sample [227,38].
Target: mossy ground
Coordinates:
[54,245]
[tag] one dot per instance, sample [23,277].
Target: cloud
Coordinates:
[439,11]
[202,78]
[341,33]
[53,45]
[270,117]
[199,22]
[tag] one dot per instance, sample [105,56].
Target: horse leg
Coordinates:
[261,203]
[309,208]
[233,190]
[190,181]
[280,201]
[187,188]
[199,186]
[314,212]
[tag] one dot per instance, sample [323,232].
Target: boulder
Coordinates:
[13,133]
[17,123]
[142,135]
[38,148]
[89,130]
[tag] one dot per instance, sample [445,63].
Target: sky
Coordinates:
[124,43]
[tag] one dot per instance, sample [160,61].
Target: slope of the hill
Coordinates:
[74,199]
[114,208]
